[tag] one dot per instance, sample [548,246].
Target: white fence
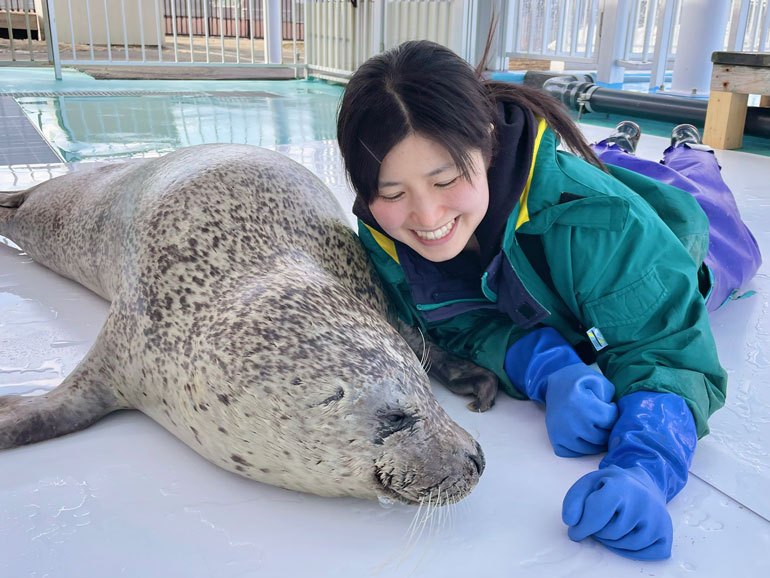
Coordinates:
[577,31]
[340,34]
[151,33]
[337,35]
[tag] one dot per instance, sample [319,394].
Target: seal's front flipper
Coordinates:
[84,397]
[464,377]
[458,375]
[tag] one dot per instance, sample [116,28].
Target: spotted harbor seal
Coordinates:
[244,319]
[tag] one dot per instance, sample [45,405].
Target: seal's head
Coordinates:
[341,408]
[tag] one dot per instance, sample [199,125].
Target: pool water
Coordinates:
[103,127]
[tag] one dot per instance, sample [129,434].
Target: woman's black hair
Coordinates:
[424,88]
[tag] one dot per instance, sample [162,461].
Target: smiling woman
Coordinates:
[531,261]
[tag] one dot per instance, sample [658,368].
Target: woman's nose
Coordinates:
[427,212]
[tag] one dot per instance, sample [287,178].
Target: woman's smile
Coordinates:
[439,235]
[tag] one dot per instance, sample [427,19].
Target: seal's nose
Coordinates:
[478,458]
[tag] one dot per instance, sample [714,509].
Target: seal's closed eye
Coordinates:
[392,421]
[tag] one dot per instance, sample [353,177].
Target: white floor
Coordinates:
[125,498]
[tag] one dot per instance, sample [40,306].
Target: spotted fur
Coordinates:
[245,319]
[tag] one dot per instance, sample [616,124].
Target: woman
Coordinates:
[531,261]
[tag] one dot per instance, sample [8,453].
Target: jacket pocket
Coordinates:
[628,305]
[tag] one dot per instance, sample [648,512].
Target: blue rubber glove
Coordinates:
[579,412]
[623,503]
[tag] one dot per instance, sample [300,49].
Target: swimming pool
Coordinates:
[94,125]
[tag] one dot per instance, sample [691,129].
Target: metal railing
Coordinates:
[645,21]
[750,26]
[133,32]
[201,11]
[570,30]
[331,38]
[18,5]
[553,30]
[341,35]
[20,21]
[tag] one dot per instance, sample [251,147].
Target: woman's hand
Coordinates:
[623,509]
[579,411]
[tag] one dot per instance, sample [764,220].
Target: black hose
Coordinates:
[594,98]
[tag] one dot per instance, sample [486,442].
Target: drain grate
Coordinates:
[21,142]
[86,93]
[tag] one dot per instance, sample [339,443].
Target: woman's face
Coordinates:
[425,202]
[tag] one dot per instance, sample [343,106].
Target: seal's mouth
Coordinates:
[437,493]
[384,480]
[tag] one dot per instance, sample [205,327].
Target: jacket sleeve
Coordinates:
[637,284]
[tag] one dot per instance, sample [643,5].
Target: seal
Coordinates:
[245,319]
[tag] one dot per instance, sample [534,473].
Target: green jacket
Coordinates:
[623,252]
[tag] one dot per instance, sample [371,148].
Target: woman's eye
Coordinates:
[448,183]
[395,197]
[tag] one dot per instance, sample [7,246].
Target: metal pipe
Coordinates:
[667,108]
[580,94]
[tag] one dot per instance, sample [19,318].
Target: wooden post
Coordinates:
[735,76]
[725,119]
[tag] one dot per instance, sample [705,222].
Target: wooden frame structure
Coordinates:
[734,77]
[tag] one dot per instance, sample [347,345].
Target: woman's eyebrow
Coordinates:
[433,173]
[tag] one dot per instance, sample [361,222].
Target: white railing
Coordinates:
[21,18]
[137,32]
[341,35]
[338,35]
[750,26]
[576,31]
[553,30]
[162,32]
[646,19]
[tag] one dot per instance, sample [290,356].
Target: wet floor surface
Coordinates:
[126,498]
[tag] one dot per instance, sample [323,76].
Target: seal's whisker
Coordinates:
[443,508]
[463,507]
[451,512]
[436,519]
[424,343]
[409,535]
[413,526]
[425,360]
[410,538]
[435,516]
[419,528]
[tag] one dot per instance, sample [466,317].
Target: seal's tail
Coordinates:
[80,400]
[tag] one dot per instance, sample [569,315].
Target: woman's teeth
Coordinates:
[438,233]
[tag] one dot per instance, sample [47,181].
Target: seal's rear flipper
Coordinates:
[12,200]
[81,399]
